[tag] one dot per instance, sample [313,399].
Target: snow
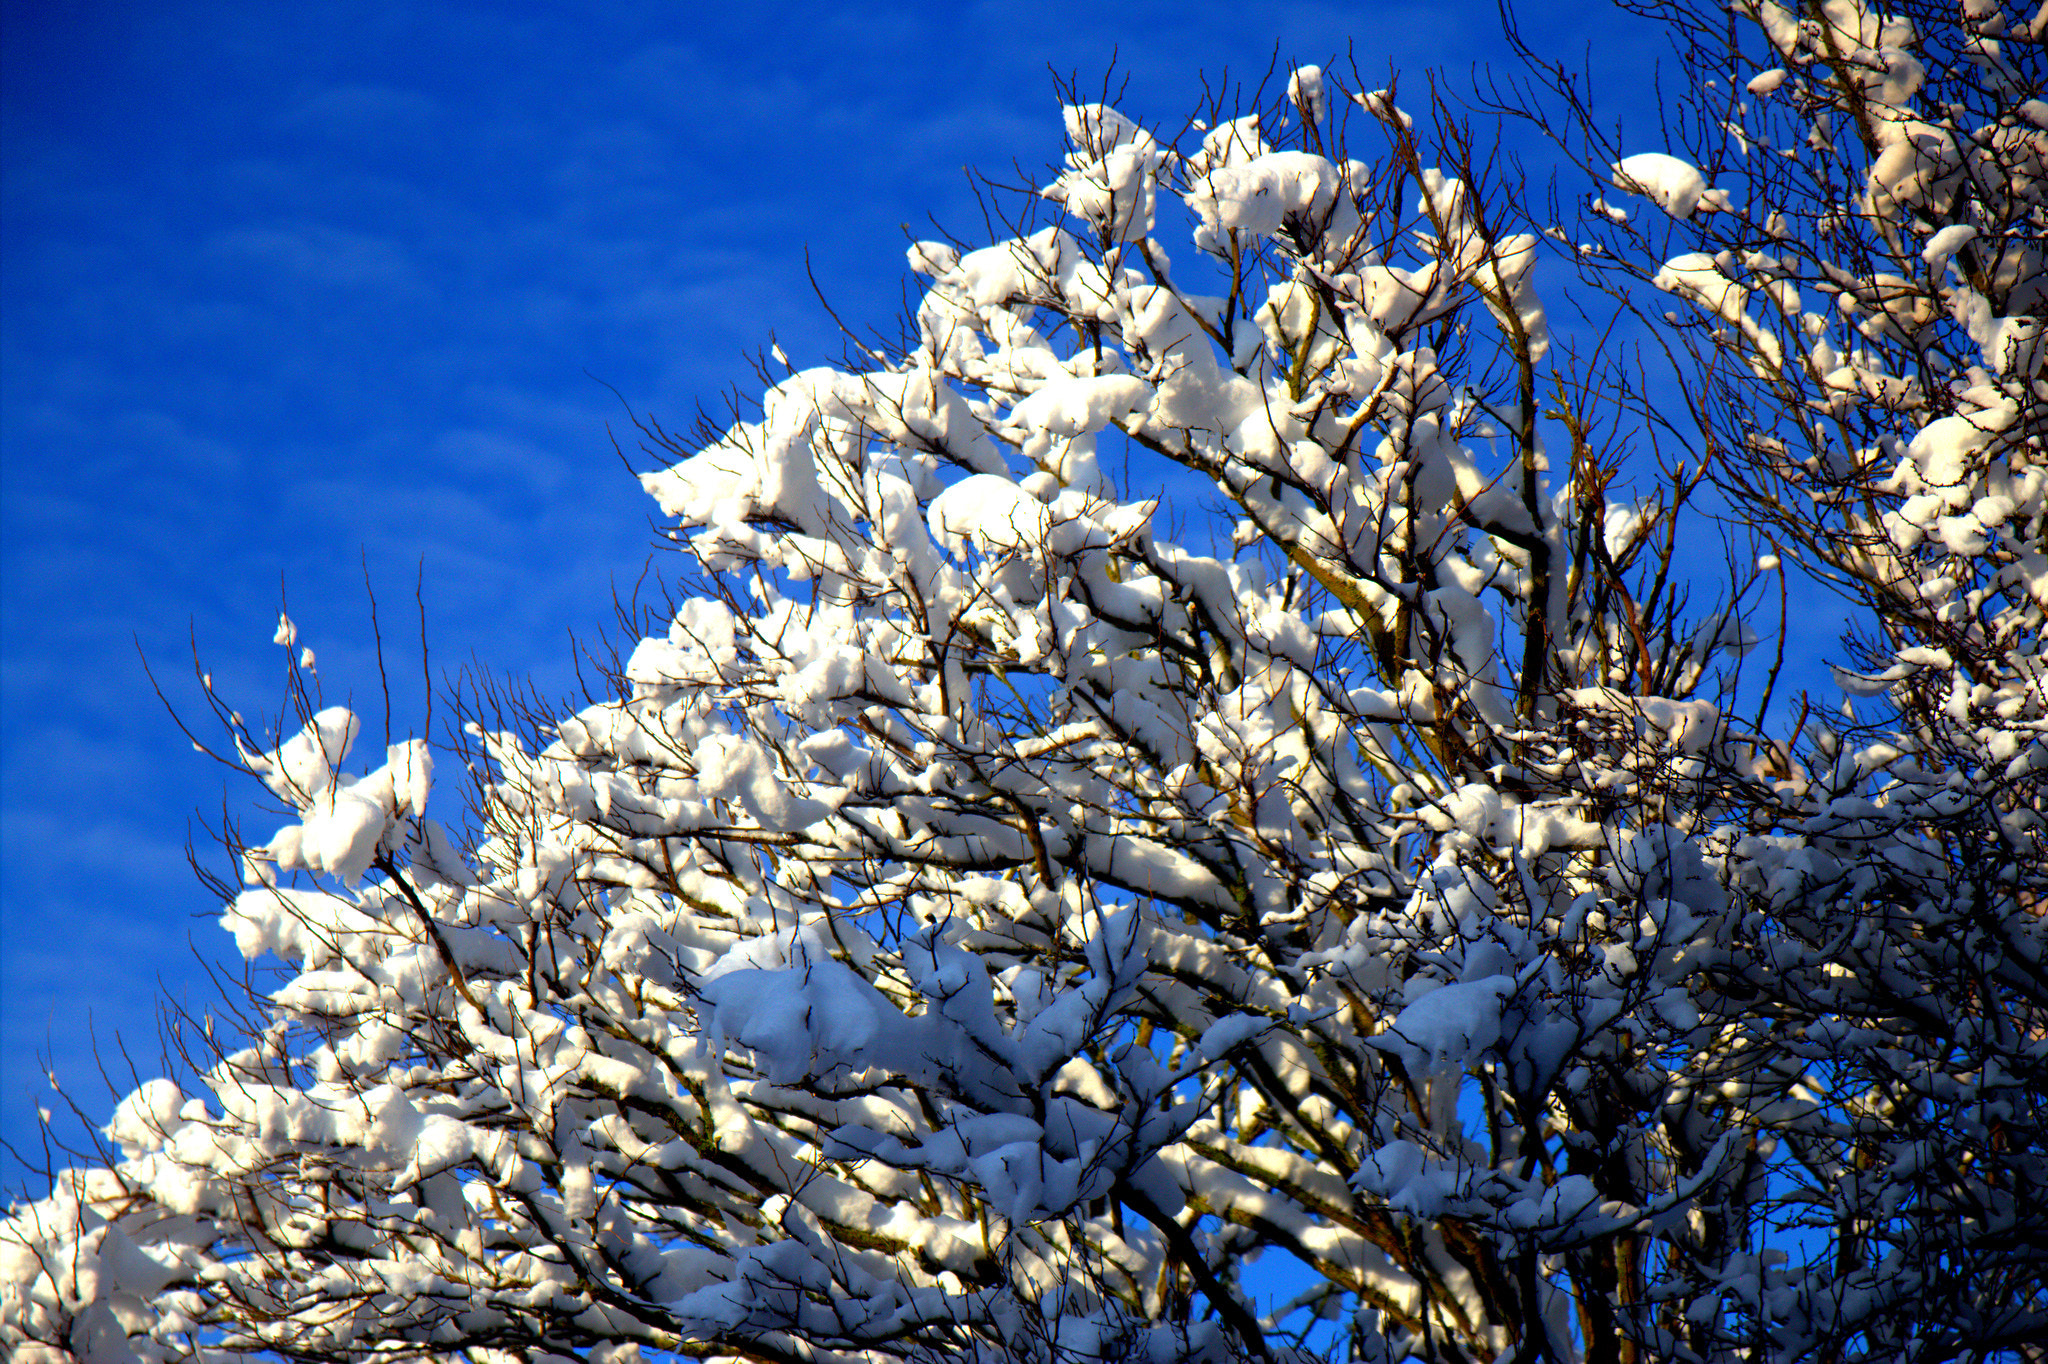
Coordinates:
[1380,103]
[340,833]
[1699,276]
[1261,194]
[1110,176]
[1676,185]
[1071,405]
[1947,242]
[1305,93]
[968,888]
[1449,1027]
[148,1118]
[801,1021]
[304,766]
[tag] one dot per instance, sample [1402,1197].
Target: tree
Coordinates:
[975,925]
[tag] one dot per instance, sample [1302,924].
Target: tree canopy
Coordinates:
[1000,908]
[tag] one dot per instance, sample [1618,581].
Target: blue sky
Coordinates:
[293,293]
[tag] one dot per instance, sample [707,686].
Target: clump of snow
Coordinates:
[1675,185]
[1305,93]
[1262,194]
[1947,242]
[1448,1028]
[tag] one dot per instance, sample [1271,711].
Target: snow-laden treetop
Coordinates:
[990,909]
